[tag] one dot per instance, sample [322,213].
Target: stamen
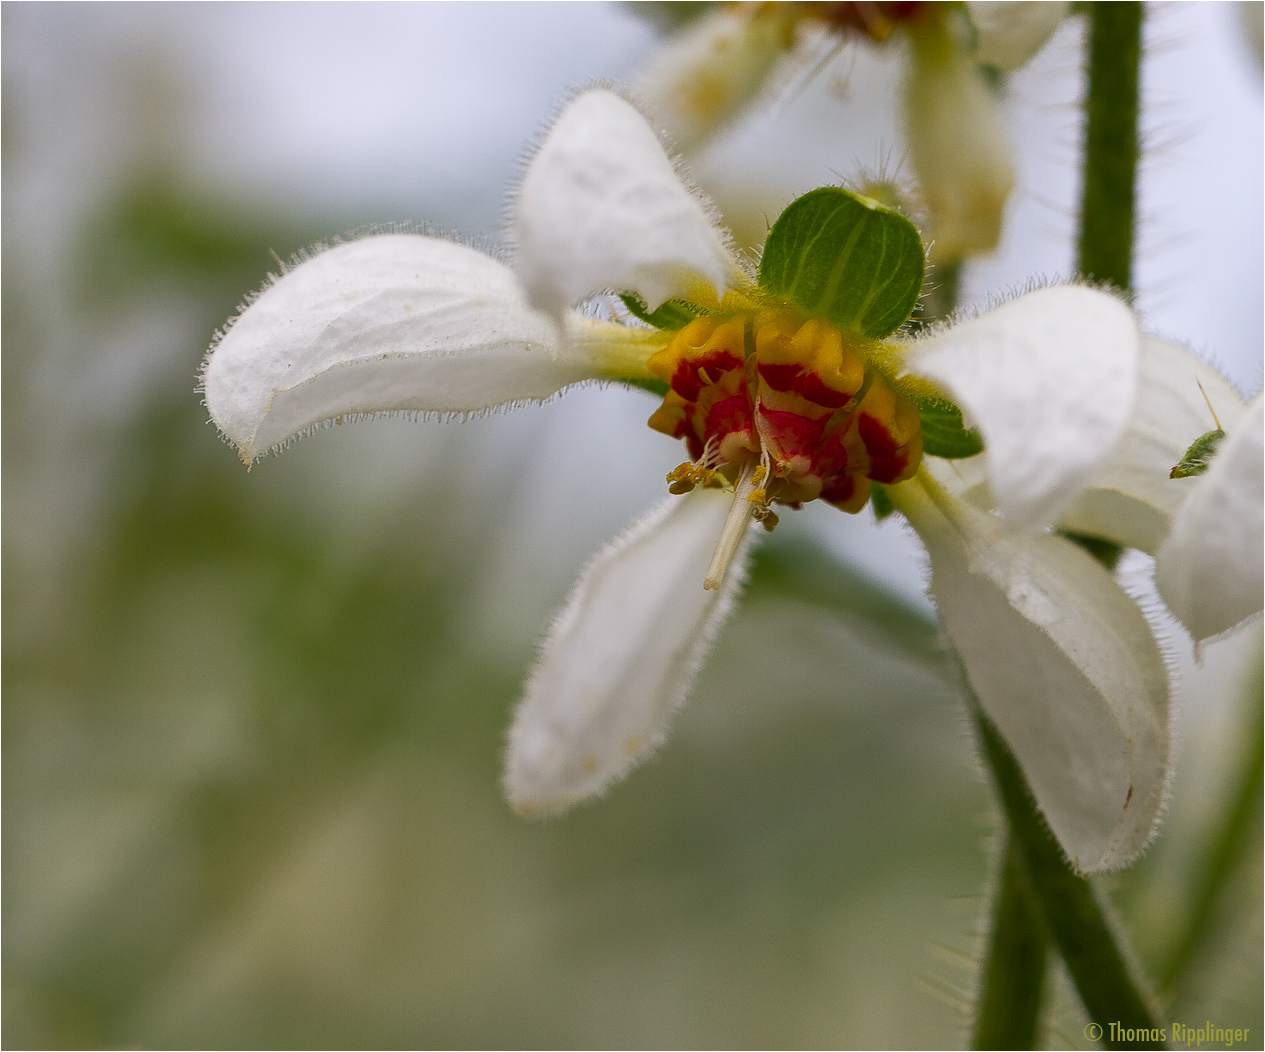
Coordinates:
[740,514]
[682,478]
[710,459]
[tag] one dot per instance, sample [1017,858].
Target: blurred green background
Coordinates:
[253,722]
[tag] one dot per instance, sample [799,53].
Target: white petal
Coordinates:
[1209,571]
[1064,664]
[1049,379]
[712,69]
[620,657]
[600,207]
[959,148]
[1009,33]
[1130,499]
[388,323]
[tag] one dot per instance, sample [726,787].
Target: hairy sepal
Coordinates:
[1049,381]
[1064,665]
[620,657]
[391,323]
[601,207]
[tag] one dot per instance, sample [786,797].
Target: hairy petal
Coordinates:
[1064,664]
[707,73]
[620,658]
[1010,32]
[389,323]
[1049,379]
[1130,499]
[1209,570]
[600,207]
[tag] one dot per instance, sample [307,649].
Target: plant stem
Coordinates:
[1068,905]
[1011,995]
[1108,208]
[1105,251]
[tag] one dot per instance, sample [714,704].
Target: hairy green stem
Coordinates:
[1010,994]
[1068,905]
[1108,190]
[1105,250]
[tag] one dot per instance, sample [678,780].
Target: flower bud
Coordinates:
[958,146]
[1009,33]
[708,73]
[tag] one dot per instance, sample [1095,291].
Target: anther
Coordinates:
[682,478]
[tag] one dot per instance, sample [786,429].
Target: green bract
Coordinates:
[880,501]
[942,432]
[674,314]
[1196,459]
[845,258]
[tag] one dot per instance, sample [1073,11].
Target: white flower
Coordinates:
[1009,32]
[1205,530]
[959,148]
[403,322]
[960,152]
[711,70]
[1209,569]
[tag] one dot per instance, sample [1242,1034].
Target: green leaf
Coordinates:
[674,314]
[881,501]
[652,384]
[1199,455]
[1106,552]
[1069,906]
[942,432]
[845,258]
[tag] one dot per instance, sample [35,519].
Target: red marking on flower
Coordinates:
[731,415]
[811,387]
[693,374]
[795,424]
[789,434]
[798,380]
[878,441]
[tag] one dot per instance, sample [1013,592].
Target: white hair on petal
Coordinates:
[480,243]
[1135,576]
[730,589]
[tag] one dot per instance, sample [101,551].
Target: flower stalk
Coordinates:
[1067,905]
[1010,990]
[1105,248]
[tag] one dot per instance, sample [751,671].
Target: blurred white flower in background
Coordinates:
[959,148]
